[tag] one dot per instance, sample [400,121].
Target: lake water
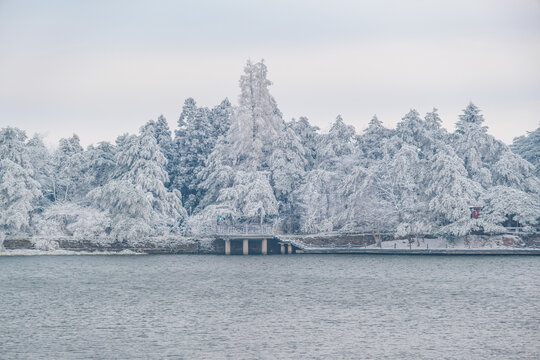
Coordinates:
[214,307]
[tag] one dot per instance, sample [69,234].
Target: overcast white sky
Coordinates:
[102,68]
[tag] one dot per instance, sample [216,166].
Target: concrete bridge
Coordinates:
[253,239]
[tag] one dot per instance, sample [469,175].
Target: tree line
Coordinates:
[246,164]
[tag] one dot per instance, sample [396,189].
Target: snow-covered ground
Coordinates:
[441,243]
[33,252]
[502,242]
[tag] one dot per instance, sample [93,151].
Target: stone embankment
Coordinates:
[184,246]
[329,243]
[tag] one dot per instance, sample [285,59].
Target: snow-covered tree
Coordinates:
[288,166]
[220,118]
[287,163]
[372,140]
[257,122]
[194,141]
[41,162]
[399,180]
[319,201]
[79,222]
[514,171]
[528,147]
[450,190]
[335,147]
[101,163]
[308,135]
[69,179]
[250,199]
[18,189]
[129,208]
[162,133]
[475,146]
[436,135]
[246,154]
[136,198]
[412,129]
[509,206]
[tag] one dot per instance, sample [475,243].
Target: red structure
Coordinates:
[475,211]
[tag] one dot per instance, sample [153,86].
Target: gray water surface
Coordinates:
[213,307]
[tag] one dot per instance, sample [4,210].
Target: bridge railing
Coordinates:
[247,229]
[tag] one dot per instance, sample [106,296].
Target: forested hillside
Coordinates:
[245,163]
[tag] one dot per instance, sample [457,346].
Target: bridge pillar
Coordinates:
[264,247]
[227,247]
[283,248]
[246,247]
[290,248]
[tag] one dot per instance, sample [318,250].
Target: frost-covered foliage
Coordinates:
[245,164]
[509,206]
[70,219]
[450,190]
[195,139]
[18,188]
[256,123]
[528,147]
[136,199]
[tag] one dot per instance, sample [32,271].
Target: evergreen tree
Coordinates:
[220,118]
[372,140]
[528,147]
[308,135]
[336,146]
[162,133]
[136,198]
[319,202]
[101,163]
[288,166]
[506,206]
[194,141]
[69,163]
[413,130]
[256,123]
[18,188]
[475,146]
[450,190]
[42,163]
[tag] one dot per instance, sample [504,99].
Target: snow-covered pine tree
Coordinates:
[436,135]
[256,125]
[528,147]
[372,140]
[220,118]
[18,188]
[412,129]
[288,166]
[451,192]
[510,207]
[194,141]
[475,146]
[257,122]
[101,163]
[319,195]
[319,202]
[41,161]
[70,182]
[162,133]
[336,148]
[136,198]
[399,181]
[308,135]
[513,171]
